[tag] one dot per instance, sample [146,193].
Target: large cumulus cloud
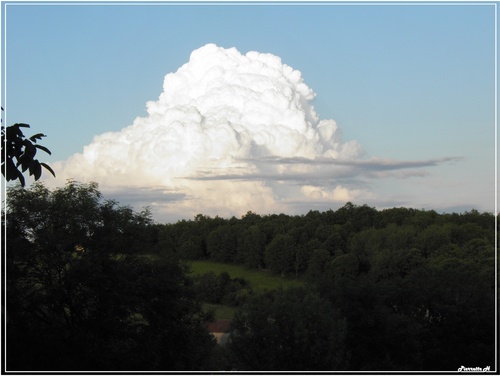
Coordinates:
[228,134]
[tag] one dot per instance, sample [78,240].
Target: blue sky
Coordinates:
[407,81]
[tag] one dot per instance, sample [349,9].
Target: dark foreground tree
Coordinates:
[288,330]
[78,298]
[18,154]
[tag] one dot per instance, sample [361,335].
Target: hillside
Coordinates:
[93,285]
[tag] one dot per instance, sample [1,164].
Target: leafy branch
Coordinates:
[18,154]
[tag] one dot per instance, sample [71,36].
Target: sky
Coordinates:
[225,108]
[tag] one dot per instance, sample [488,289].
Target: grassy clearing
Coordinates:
[221,312]
[258,279]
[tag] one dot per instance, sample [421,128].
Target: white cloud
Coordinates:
[224,134]
[339,193]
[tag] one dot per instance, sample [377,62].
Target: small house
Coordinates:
[220,330]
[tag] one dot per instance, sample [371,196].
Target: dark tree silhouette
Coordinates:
[18,154]
[81,297]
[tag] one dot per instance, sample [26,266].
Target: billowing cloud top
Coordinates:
[211,142]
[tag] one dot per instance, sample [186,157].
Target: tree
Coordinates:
[335,243]
[317,264]
[221,289]
[460,310]
[251,247]
[396,216]
[288,330]
[399,237]
[432,238]
[396,263]
[78,296]
[18,154]
[280,254]
[221,244]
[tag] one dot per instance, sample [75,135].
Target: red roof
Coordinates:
[219,326]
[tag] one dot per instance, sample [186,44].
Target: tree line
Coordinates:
[289,245]
[406,289]
[395,289]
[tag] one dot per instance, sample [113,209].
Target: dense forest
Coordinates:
[92,285]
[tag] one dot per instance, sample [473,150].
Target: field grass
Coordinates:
[221,312]
[259,280]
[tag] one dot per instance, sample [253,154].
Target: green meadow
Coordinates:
[259,280]
[221,312]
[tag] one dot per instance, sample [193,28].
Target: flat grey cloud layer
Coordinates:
[225,136]
[357,167]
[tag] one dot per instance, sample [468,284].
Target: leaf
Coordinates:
[14,134]
[21,178]
[48,168]
[31,167]
[44,149]
[36,169]
[37,136]
[23,125]
[11,171]
[24,161]
[30,149]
